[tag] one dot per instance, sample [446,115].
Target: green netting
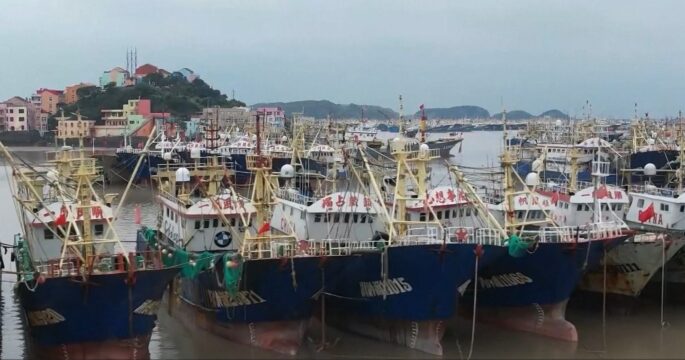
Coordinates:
[150,236]
[233,268]
[517,247]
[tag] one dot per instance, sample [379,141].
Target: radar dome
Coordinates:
[650,169]
[287,171]
[195,153]
[284,138]
[424,147]
[532,179]
[166,156]
[558,122]
[650,141]
[182,175]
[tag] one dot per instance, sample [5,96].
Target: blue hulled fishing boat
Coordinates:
[84,296]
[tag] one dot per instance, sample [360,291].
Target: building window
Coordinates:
[21,111]
[21,118]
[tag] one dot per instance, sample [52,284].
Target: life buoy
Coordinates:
[223,239]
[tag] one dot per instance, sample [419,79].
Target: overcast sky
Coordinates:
[530,55]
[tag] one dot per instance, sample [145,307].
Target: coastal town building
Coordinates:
[74,128]
[17,114]
[274,116]
[49,98]
[134,118]
[117,75]
[188,74]
[228,117]
[71,92]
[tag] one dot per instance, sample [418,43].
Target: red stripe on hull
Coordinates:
[136,348]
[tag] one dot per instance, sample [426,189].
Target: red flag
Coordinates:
[555,197]
[61,219]
[602,193]
[136,214]
[264,228]
[647,214]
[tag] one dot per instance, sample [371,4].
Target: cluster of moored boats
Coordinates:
[379,250]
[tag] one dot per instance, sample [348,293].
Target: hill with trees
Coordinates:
[172,94]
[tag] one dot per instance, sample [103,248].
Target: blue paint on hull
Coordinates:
[271,280]
[554,270]
[432,274]
[96,312]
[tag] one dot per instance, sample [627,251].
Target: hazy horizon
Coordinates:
[527,55]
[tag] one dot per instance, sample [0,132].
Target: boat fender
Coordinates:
[283,264]
[120,262]
[323,261]
[478,251]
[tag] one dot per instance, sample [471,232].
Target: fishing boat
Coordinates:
[405,290]
[528,289]
[83,294]
[239,279]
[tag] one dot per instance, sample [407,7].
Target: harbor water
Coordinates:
[634,331]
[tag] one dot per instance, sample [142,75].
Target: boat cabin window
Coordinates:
[580,207]
[431,217]
[447,214]
[206,224]
[232,221]
[363,219]
[370,219]
[48,235]
[167,212]
[215,223]
[439,214]
[302,215]
[336,218]
[605,207]
[325,218]
[519,214]
[664,207]
[640,203]
[347,217]
[422,217]
[468,211]
[461,212]
[99,229]
[587,207]
[355,217]
[197,224]
[682,208]
[454,213]
[317,218]
[565,205]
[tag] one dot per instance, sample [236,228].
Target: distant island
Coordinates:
[320,109]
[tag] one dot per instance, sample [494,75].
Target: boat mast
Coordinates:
[422,126]
[400,121]
[507,162]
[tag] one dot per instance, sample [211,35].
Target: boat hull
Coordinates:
[270,308]
[630,267]
[66,315]
[516,292]
[412,303]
